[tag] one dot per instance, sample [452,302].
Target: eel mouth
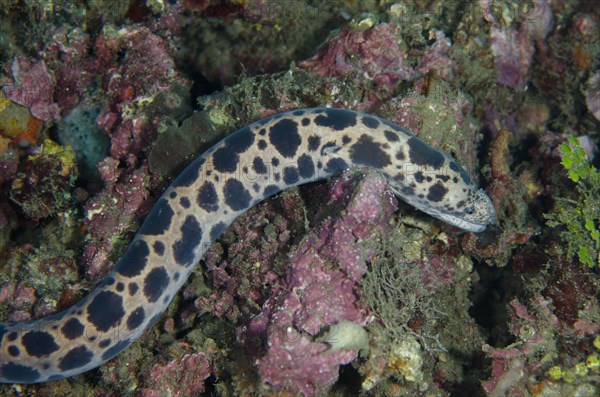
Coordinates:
[470,226]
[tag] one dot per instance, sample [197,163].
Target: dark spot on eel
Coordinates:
[313,142]
[155,283]
[159,248]
[189,175]
[72,329]
[216,230]
[391,136]
[437,192]
[422,154]
[226,158]
[19,373]
[159,219]
[207,197]
[136,318]
[105,310]
[306,166]
[290,175]
[419,176]
[258,165]
[39,343]
[75,358]
[336,119]
[236,195]
[134,260]
[284,136]
[133,288]
[191,235]
[369,153]
[370,122]
[14,351]
[271,190]
[185,202]
[335,166]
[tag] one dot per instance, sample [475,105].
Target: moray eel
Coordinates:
[257,161]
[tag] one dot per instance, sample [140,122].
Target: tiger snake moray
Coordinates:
[257,161]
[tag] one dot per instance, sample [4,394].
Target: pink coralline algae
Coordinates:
[436,58]
[180,377]
[147,69]
[132,67]
[33,87]
[126,200]
[373,54]
[320,290]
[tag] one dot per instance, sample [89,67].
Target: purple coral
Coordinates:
[320,289]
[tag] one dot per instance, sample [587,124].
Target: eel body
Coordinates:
[243,169]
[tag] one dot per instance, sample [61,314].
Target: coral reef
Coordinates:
[322,290]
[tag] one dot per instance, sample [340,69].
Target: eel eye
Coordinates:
[470,210]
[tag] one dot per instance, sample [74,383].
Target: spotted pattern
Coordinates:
[76,358]
[256,162]
[135,259]
[208,199]
[136,318]
[72,328]
[237,197]
[105,310]
[226,158]
[156,283]
[39,343]
[285,138]
[368,153]
[190,236]
[159,219]
[422,154]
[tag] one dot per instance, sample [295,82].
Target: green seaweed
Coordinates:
[579,219]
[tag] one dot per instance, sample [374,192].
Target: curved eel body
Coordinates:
[243,169]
